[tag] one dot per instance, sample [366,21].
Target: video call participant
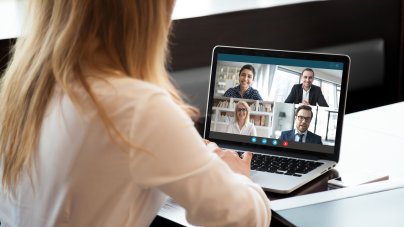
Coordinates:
[244,90]
[303,117]
[306,93]
[242,124]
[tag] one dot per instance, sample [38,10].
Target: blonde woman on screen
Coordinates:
[242,124]
[93,133]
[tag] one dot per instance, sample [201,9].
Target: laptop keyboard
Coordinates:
[282,165]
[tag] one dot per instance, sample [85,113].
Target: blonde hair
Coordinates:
[63,37]
[247,119]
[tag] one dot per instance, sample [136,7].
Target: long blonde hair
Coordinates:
[63,37]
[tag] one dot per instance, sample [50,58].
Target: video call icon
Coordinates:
[274,142]
[254,139]
[264,141]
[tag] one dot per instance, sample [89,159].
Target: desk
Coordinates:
[371,141]
[375,138]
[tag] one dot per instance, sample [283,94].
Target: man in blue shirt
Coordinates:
[244,90]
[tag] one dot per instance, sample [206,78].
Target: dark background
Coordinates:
[370,32]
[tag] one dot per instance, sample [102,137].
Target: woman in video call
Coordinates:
[242,124]
[244,90]
[93,133]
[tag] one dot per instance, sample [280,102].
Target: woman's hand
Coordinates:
[237,164]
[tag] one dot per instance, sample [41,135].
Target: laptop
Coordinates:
[264,120]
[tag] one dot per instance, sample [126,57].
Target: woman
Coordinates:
[244,90]
[94,134]
[242,124]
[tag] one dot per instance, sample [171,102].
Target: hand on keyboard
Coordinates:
[237,164]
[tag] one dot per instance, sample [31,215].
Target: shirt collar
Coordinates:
[297,132]
[248,89]
[305,90]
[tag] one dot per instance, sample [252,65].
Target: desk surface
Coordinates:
[373,140]
[366,205]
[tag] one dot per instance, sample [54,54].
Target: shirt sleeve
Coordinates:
[228,93]
[291,96]
[175,160]
[321,100]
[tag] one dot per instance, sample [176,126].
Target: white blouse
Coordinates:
[80,177]
[248,129]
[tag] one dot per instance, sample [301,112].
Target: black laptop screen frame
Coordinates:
[278,54]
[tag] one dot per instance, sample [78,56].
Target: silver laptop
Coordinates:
[258,102]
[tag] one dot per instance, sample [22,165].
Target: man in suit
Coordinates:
[303,117]
[306,93]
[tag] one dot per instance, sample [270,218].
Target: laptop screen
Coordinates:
[277,102]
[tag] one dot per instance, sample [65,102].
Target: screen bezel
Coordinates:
[280,150]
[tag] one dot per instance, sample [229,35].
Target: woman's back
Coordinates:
[80,176]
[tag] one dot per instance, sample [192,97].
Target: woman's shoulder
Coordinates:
[250,125]
[231,91]
[125,87]
[121,94]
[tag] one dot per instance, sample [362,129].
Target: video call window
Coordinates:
[269,115]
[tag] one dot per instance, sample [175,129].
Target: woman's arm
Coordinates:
[183,167]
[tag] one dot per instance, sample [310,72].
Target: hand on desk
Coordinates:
[237,164]
[306,102]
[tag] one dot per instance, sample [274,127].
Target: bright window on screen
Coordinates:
[329,92]
[283,82]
